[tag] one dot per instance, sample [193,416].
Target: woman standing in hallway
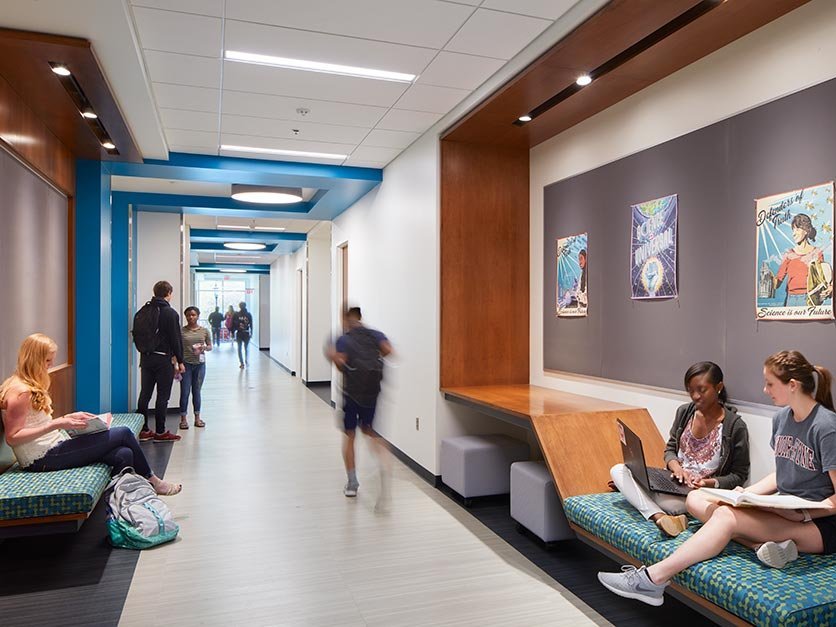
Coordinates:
[228,321]
[196,341]
[38,439]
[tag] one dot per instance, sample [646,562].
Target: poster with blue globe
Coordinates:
[572,266]
[794,271]
[653,248]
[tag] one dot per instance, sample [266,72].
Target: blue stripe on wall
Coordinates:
[120,306]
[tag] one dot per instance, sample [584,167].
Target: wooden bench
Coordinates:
[579,441]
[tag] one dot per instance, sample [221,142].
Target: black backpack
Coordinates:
[146,328]
[243,322]
[364,370]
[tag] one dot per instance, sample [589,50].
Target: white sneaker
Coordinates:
[778,554]
[634,583]
[350,490]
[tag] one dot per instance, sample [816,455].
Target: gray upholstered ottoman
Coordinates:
[479,465]
[535,504]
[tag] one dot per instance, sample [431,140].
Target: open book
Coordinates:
[94,425]
[747,499]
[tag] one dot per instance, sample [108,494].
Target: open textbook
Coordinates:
[747,499]
[94,425]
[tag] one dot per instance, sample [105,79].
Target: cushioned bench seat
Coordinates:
[803,593]
[65,492]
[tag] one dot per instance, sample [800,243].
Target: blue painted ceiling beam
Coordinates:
[264,237]
[220,267]
[209,202]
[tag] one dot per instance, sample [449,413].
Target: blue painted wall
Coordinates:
[93,313]
[120,306]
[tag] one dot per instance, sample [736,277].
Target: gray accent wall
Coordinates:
[717,171]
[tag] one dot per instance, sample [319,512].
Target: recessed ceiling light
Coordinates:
[232,270]
[244,246]
[108,145]
[584,80]
[524,118]
[89,114]
[269,228]
[265,195]
[277,151]
[234,226]
[316,66]
[60,69]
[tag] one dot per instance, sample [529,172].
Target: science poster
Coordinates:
[653,248]
[572,267]
[794,271]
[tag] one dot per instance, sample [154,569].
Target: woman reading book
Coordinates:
[804,444]
[39,440]
[708,447]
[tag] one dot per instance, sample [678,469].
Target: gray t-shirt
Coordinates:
[804,452]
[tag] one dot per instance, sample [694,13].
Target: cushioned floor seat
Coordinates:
[74,491]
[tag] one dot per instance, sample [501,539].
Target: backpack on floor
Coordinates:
[364,370]
[137,517]
[146,327]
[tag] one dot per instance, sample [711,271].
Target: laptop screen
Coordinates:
[631,448]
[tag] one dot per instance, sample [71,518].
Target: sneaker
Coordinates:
[777,554]
[145,435]
[350,490]
[634,583]
[163,438]
[672,526]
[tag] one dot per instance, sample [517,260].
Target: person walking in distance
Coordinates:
[358,355]
[216,319]
[242,326]
[157,337]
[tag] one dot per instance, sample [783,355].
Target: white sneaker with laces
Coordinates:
[350,490]
[634,583]
[777,554]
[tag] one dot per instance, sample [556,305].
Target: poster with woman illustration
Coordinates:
[572,269]
[653,248]
[794,273]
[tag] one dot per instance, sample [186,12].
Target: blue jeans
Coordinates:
[796,300]
[117,447]
[243,338]
[192,382]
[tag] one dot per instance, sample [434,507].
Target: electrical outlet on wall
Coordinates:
[417,424]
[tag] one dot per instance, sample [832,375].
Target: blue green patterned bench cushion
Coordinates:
[803,593]
[75,491]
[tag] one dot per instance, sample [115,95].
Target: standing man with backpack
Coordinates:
[157,337]
[358,355]
[242,326]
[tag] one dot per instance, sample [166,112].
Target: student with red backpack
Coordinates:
[358,355]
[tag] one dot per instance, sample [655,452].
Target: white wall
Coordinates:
[318,368]
[158,258]
[263,311]
[285,308]
[792,53]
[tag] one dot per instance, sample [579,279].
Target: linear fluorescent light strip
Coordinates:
[233,226]
[269,228]
[316,66]
[288,153]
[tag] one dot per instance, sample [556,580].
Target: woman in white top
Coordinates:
[38,439]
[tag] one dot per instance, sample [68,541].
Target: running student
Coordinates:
[708,447]
[804,445]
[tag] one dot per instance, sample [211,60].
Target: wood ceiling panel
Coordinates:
[614,29]
[24,63]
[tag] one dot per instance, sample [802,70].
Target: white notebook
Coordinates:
[747,499]
[94,425]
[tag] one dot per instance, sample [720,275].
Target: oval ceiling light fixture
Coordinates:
[89,114]
[583,80]
[60,69]
[244,246]
[524,118]
[109,145]
[266,195]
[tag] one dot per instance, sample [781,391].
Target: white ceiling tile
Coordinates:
[195,150]
[214,8]
[184,97]
[431,99]
[547,9]
[284,144]
[198,139]
[168,186]
[360,163]
[415,22]
[183,69]
[284,108]
[296,44]
[374,154]
[281,82]
[243,125]
[495,34]
[473,3]
[464,71]
[414,121]
[390,139]
[189,120]
[178,32]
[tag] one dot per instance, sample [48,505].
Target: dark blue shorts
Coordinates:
[354,414]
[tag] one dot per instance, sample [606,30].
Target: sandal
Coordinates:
[184,424]
[170,489]
[199,423]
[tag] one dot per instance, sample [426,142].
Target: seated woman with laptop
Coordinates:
[708,447]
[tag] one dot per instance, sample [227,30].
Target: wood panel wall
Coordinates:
[484,264]
[29,138]
[62,389]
